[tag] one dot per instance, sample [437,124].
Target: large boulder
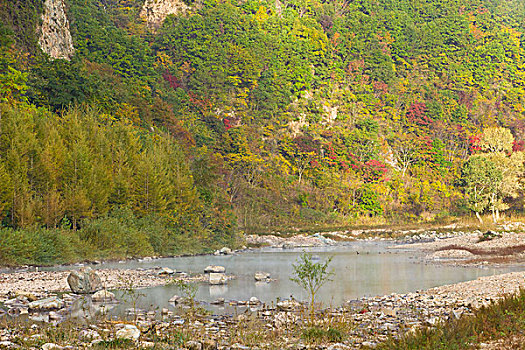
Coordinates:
[84,281]
[214,269]
[217,278]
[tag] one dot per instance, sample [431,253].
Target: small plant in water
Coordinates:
[188,290]
[131,294]
[311,276]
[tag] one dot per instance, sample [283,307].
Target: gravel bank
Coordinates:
[44,282]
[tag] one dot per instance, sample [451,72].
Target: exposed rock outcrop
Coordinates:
[55,37]
[154,12]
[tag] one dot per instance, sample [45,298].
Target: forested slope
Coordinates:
[257,115]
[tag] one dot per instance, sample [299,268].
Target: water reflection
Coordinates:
[217,291]
[376,270]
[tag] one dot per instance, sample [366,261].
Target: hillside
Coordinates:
[160,126]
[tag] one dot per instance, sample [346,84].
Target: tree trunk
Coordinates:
[479,218]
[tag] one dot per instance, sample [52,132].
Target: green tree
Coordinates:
[480,178]
[311,276]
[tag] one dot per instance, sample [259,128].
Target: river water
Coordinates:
[360,269]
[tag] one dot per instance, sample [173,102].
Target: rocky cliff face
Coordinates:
[55,37]
[156,11]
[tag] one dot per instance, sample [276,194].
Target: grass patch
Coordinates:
[318,335]
[500,320]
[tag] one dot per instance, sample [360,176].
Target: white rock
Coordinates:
[287,305]
[217,278]
[103,295]
[262,276]
[254,301]
[165,271]
[128,332]
[214,269]
[147,344]
[49,346]
[226,251]
[89,334]
[46,304]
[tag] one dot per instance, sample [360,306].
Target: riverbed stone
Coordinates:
[84,281]
[103,296]
[254,301]
[129,331]
[51,303]
[215,269]
[217,278]
[219,301]
[225,251]
[193,345]
[51,346]
[287,305]
[209,344]
[6,344]
[261,276]
[165,271]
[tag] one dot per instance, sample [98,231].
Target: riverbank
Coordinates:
[365,322]
[474,248]
[361,323]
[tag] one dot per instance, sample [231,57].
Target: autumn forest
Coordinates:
[171,136]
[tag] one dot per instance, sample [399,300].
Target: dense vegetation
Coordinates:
[256,115]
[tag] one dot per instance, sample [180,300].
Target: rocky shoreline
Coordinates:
[367,321]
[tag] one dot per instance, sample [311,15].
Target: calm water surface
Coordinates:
[376,270]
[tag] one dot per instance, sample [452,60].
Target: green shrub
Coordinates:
[115,235]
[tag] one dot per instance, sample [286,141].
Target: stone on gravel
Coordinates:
[214,269]
[129,331]
[50,346]
[209,344]
[254,301]
[84,281]
[89,334]
[165,271]
[28,296]
[217,278]
[288,305]
[388,311]
[51,303]
[5,344]
[193,345]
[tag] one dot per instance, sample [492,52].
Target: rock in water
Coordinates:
[84,281]
[217,278]
[103,296]
[214,269]
[261,276]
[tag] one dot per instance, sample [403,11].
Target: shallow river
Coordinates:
[376,270]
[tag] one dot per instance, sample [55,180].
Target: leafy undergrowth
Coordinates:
[502,320]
